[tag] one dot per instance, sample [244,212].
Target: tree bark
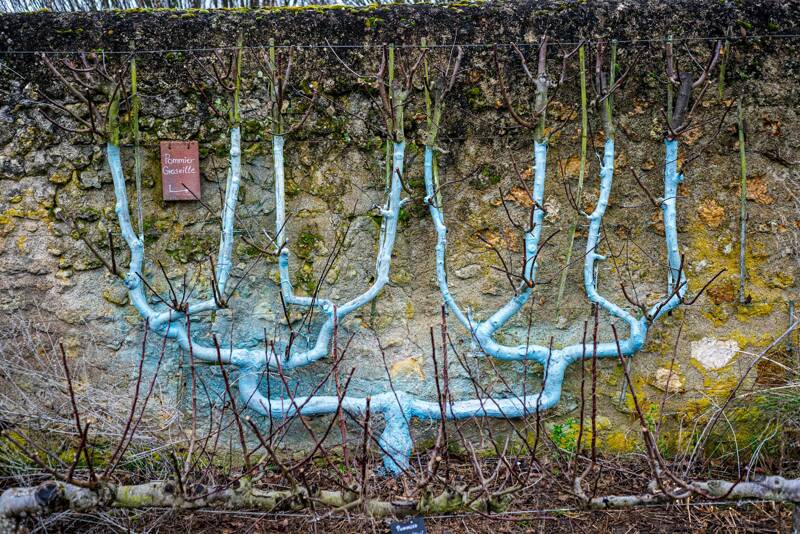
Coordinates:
[55,496]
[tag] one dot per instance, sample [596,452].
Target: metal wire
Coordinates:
[407,45]
[540,511]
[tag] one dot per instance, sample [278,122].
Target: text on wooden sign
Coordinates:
[180,170]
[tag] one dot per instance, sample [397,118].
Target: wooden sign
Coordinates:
[412,525]
[180,170]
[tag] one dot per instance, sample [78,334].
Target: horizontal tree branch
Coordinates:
[771,488]
[56,496]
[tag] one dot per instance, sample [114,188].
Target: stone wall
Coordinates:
[335,170]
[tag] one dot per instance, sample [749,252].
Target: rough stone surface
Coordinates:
[50,281]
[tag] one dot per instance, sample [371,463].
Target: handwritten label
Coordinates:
[412,525]
[180,170]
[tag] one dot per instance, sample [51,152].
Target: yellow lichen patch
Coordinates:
[696,408]
[401,277]
[699,366]
[713,251]
[61,178]
[561,111]
[638,387]
[718,315]
[602,422]
[720,387]
[407,367]
[409,310]
[752,340]
[711,213]
[745,312]
[21,240]
[781,280]
[18,213]
[620,443]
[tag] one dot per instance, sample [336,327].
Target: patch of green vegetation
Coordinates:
[305,278]
[487,177]
[371,22]
[306,243]
[190,248]
[475,99]
[69,31]
[174,57]
[565,435]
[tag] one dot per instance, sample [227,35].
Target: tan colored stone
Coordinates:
[116,295]
[757,190]
[407,367]
[60,178]
[711,213]
[671,382]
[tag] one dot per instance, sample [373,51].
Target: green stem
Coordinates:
[112,122]
[396,100]
[742,205]
[429,106]
[722,66]
[137,152]
[541,104]
[277,118]
[388,160]
[433,112]
[393,106]
[669,94]
[581,174]
[237,118]
[612,77]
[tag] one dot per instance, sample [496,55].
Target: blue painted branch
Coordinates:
[398,408]
[168,322]
[559,359]
[388,233]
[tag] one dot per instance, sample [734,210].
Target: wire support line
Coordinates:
[730,38]
[459,515]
